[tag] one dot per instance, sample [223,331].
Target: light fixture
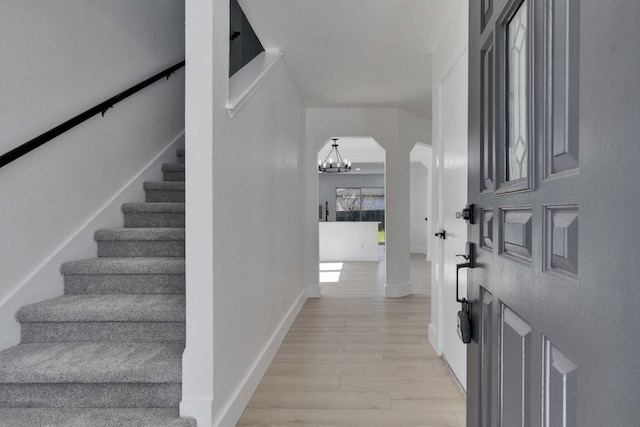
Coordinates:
[340,165]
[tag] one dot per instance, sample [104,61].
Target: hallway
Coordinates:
[354,358]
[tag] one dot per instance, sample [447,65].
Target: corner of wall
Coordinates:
[232,411]
[434,338]
[398,291]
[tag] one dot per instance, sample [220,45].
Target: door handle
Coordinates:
[470,256]
[467,214]
[441,234]
[464,315]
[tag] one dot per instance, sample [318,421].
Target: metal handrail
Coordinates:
[101,108]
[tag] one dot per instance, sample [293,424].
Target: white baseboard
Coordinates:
[232,411]
[455,377]
[45,280]
[418,250]
[434,339]
[397,291]
[313,290]
[199,410]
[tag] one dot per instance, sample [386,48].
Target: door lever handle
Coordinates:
[464,316]
[458,268]
[441,234]
[470,256]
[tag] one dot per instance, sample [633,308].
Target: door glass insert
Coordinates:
[517,141]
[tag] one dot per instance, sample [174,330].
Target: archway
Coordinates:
[351,216]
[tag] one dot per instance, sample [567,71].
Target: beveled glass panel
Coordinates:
[517,126]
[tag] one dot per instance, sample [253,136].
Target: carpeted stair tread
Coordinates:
[93,417]
[153,207]
[124,234]
[163,186]
[127,265]
[124,284]
[92,363]
[106,308]
[173,167]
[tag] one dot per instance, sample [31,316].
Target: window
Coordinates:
[517,123]
[360,204]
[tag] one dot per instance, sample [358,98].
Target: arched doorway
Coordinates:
[351,216]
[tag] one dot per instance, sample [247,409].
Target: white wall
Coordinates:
[329,182]
[418,208]
[348,241]
[245,242]
[59,59]
[452,45]
[397,132]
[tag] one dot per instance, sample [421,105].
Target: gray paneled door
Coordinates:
[554,149]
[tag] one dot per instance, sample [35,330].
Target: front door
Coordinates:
[554,154]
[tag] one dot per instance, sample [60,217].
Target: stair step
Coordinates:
[52,332]
[145,215]
[173,171]
[104,318]
[124,284]
[93,417]
[89,395]
[91,374]
[127,266]
[106,308]
[164,191]
[180,153]
[141,242]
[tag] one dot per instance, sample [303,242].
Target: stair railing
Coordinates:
[101,108]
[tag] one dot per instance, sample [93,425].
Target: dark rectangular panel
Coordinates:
[516,232]
[561,239]
[487,139]
[487,10]
[560,384]
[561,85]
[487,343]
[514,370]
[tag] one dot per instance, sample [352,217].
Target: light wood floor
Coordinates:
[354,358]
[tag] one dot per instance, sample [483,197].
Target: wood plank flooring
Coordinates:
[354,358]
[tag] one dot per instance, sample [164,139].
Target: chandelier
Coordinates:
[340,164]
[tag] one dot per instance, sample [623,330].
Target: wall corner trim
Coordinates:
[244,83]
[434,340]
[398,291]
[232,410]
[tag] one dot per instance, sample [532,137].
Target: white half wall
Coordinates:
[348,241]
[245,235]
[59,59]
[450,48]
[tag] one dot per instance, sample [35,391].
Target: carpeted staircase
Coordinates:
[109,352]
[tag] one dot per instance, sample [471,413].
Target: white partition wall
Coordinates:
[348,241]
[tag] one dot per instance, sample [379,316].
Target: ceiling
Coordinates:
[355,53]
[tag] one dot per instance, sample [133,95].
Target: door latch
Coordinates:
[464,315]
[467,214]
[441,234]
